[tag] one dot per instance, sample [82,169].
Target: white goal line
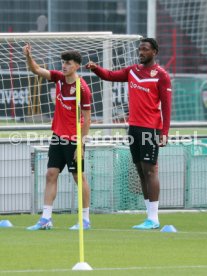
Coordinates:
[139,268]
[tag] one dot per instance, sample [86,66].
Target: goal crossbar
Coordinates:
[55,35]
[31,99]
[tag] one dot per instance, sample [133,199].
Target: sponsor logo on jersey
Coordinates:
[72,90]
[63,105]
[136,86]
[153,73]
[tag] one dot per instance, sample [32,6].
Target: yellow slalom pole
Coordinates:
[79,161]
[81,265]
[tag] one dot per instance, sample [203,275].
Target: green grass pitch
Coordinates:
[112,247]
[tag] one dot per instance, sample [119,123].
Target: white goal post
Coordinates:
[30,99]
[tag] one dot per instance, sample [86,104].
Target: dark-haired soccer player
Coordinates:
[63,146]
[149,89]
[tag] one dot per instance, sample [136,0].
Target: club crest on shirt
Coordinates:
[153,73]
[72,90]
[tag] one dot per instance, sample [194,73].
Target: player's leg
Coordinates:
[135,135]
[51,185]
[153,187]
[86,202]
[55,165]
[45,222]
[153,184]
[151,178]
[72,167]
[86,189]
[148,169]
[50,191]
[144,185]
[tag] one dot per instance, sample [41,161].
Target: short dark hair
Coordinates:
[72,55]
[152,41]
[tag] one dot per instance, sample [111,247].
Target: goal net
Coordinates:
[181,33]
[115,185]
[30,99]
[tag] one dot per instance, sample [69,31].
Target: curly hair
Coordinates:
[152,41]
[72,55]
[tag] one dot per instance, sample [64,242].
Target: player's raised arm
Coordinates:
[104,74]
[91,65]
[33,66]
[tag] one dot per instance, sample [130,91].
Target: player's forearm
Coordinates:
[104,74]
[166,123]
[85,129]
[33,66]
[166,114]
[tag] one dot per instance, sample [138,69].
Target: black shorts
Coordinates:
[145,145]
[61,152]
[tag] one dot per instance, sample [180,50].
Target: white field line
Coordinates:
[107,269]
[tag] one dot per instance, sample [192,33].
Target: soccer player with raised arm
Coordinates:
[62,150]
[149,89]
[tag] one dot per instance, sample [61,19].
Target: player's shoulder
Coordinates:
[84,85]
[133,67]
[56,75]
[162,72]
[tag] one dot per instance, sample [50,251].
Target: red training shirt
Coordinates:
[64,120]
[149,91]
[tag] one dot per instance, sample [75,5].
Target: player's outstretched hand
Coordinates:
[91,65]
[27,49]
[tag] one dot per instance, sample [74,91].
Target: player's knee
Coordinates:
[75,177]
[52,175]
[149,172]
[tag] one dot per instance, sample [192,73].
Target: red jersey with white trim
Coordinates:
[64,120]
[149,91]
